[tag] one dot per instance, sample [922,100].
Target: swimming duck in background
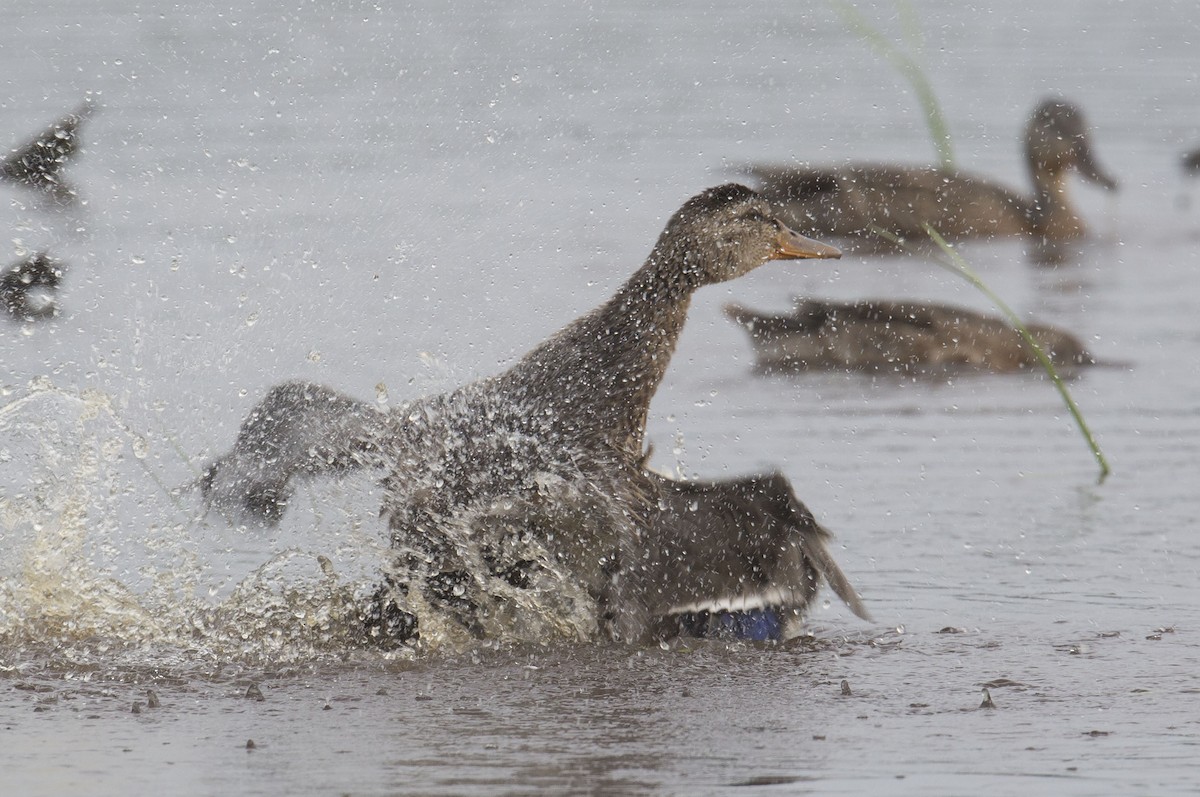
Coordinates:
[847,201]
[897,336]
[27,287]
[549,451]
[38,163]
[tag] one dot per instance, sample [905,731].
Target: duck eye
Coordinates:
[755,215]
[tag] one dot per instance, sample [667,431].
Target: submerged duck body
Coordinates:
[897,336]
[38,163]
[713,554]
[537,470]
[850,201]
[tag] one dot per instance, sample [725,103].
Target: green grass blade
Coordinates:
[956,263]
[911,70]
[910,25]
[959,265]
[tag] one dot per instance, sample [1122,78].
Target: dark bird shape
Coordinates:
[1191,162]
[850,201]
[535,470]
[897,336]
[27,287]
[38,163]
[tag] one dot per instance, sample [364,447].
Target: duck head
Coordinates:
[727,231]
[1056,140]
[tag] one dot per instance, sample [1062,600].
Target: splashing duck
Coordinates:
[549,451]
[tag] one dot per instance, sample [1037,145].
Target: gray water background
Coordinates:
[410,197]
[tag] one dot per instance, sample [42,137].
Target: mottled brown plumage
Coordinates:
[897,336]
[849,201]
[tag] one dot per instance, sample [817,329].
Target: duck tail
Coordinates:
[813,545]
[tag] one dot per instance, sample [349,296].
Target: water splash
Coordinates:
[106,567]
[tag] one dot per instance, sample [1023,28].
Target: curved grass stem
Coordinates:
[908,66]
[956,263]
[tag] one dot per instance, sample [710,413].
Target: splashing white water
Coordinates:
[106,566]
[103,564]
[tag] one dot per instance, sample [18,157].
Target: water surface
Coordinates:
[398,199]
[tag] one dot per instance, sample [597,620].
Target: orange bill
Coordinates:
[791,245]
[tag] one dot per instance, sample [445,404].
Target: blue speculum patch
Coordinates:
[755,625]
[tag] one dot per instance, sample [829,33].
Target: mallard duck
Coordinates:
[38,162]
[849,201]
[26,287]
[879,335]
[548,451]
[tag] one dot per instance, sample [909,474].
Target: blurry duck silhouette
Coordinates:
[1191,162]
[897,336]
[550,448]
[27,287]
[848,201]
[39,162]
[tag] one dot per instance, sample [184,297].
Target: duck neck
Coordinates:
[594,379]
[1053,217]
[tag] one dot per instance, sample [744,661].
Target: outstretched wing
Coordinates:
[739,545]
[299,429]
